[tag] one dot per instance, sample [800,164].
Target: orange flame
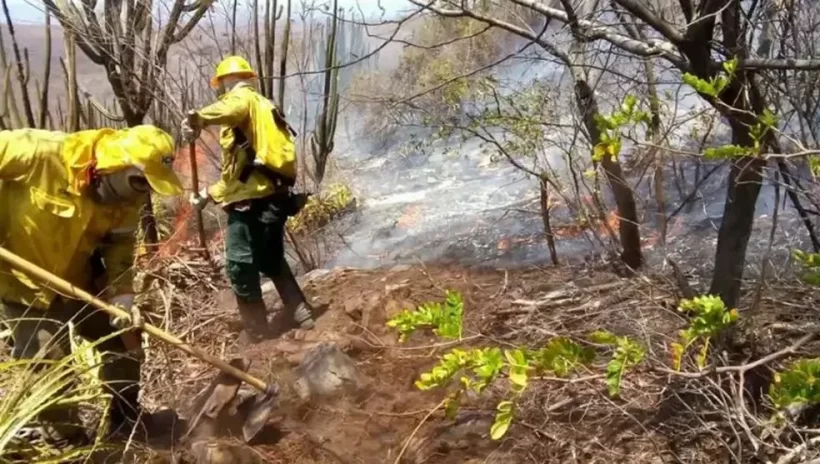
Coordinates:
[184,222]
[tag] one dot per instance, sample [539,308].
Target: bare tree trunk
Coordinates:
[22,69]
[46,75]
[736,227]
[545,216]
[257,46]
[73,124]
[655,137]
[270,45]
[628,231]
[283,59]
[233,26]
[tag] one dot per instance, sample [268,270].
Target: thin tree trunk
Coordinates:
[22,71]
[71,68]
[283,59]
[545,216]
[257,47]
[46,75]
[628,231]
[233,26]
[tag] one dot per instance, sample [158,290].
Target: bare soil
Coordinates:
[559,420]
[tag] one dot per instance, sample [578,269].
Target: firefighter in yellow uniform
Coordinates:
[70,204]
[255,188]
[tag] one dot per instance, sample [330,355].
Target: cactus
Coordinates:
[321,142]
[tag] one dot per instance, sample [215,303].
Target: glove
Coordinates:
[200,200]
[126,303]
[188,131]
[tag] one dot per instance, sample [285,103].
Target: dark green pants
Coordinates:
[38,333]
[255,244]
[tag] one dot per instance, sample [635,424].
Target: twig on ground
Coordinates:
[415,431]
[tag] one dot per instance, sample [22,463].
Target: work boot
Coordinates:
[297,312]
[254,319]
[303,316]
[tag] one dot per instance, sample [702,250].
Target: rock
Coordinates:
[353,308]
[315,275]
[219,452]
[394,307]
[388,289]
[268,287]
[326,370]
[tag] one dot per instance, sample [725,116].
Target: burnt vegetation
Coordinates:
[669,152]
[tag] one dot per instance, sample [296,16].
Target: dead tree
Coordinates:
[129,43]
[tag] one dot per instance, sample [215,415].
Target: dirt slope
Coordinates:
[560,420]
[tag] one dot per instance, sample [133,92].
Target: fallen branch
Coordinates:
[744,367]
[796,452]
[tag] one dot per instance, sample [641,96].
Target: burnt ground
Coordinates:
[655,419]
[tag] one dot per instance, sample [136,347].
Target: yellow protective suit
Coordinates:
[251,112]
[46,218]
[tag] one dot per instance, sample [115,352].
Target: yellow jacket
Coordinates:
[45,218]
[251,112]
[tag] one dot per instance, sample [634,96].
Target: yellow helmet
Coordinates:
[147,147]
[232,66]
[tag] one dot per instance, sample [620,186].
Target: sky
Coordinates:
[31,11]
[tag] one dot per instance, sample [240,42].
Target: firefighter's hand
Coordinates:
[189,130]
[126,303]
[200,200]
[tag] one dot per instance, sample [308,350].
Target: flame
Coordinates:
[184,222]
[612,221]
[410,216]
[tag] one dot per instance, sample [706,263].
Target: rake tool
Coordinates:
[222,391]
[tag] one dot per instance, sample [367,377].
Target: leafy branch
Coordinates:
[715,85]
[610,126]
[797,385]
[444,318]
[478,368]
[710,317]
[628,353]
[810,262]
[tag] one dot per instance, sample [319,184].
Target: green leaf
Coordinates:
[603,337]
[699,85]
[730,66]
[445,319]
[677,355]
[797,385]
[628,105]
[451,404]
[725,152]
[614,370]
[561,356]
[703,353]
[503,419]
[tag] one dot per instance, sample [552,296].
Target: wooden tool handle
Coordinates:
[69,289]
[195,183]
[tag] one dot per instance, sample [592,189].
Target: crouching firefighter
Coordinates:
[256,190]
[71,204]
